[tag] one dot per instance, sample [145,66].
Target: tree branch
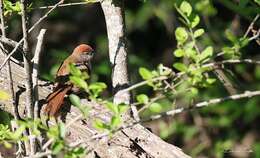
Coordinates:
[28,71]
[246,94]
[35,75]
[119,145]
[115,22]
[178,75]
[69,4]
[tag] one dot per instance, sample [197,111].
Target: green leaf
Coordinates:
[163,70]
[57,147]
[115,121]
[243,42]
[155,107]
[84,110]
[191,53]
[194,21]
[206,53]
[230,36]
[145,73]
[142,98]
[74,70]
[210,80]
[194,91]
[75,100]
[181,35]
[98,85]
[18,132]
[257,72]
[78,81]
[113,107]
[122,108]
[228,50]
[75,152]
[179,53]
[186,8]
[4,95]
[180,66]
[98,124]
[198,33]
[7,144]
[257,1]
[96,88]
[62,130]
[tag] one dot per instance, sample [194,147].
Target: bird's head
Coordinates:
[83,53]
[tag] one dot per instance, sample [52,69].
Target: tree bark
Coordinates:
[114,16]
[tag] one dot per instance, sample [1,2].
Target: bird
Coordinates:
[81,57]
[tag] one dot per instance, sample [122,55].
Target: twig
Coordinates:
[28,70]
[251,25]
[255,36]
[30,30]
[10,54]
[27,62]
[35,76]
[11,43]
[152,101]
[36,71]
[142,84]
[178,75]
[45,146]
[40,154]
[246,94]
[68,4]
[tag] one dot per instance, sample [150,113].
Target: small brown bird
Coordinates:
[81,57]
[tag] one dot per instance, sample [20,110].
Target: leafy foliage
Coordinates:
[199,39]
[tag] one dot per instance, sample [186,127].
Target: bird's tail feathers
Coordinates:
[55,100]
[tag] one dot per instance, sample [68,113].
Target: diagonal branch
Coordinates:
[28,72]
[36,71]
[246,94]
[69,4]
[180,74]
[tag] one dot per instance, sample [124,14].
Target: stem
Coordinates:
[36,71]
[28,70]
[246,94]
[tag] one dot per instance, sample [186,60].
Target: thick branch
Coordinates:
[27,62]
[28,71]
[121,145]
[35,61]
[114,17]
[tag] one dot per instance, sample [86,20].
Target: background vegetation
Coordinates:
[209,132]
